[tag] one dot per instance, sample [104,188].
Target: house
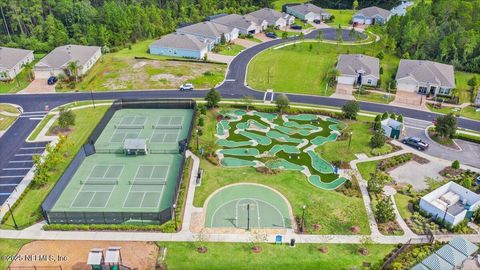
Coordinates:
[274,18]
[358,69]
[308,12]
[57,61]
[450,202]
[210,31]
[401,9]
[425,77]
[245,24]
[477,99]
[180,45]
[372,15]
[12,61]
[392,128]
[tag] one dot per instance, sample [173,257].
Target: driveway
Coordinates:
[215,57]
[245,42]
[409,100]
[343,91]
[470,153]
[38,86]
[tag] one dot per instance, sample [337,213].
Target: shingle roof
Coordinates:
[427,72]
[350,64]
[372,11]
[269,15]
[9,57]
[235,20]
[207,29]
[306,8]
[61,56]
[180,41]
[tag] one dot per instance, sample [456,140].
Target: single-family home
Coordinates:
[245,24]
[180,45]
[477,99]
[308,12]
[57,61]
[12,61]
[210,31]
[372,15]
[358,69]
[425,77]
[450,202]
[274,18]
[401,9]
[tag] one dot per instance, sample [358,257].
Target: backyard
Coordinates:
[134,68]
[342,16]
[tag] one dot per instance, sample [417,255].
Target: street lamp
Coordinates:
[93,100]
[175,215]
[303,217]
[445,215]
[350,140]
[13,218]
[197,137]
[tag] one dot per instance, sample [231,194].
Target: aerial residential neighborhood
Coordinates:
[262,134]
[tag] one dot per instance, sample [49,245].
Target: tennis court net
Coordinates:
[147,182]
[99,182]
[166,127]
[129,126]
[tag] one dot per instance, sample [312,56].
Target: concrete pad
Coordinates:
[406,99]
[414,173]
[215,57]
[344,91]
[38,86]
[245,42]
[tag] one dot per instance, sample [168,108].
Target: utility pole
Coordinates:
[248,216]
[5,22]
[93,100]
[13,218]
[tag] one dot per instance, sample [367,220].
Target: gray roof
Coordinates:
[180,41]
[9,57]
[206,29]
[372,11]
[461,244]
[435,262]
[451,255]
[235,20]
[427,72]
[307,8]
[61,56]
[351,64]
[269,15]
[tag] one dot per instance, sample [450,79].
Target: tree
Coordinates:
[378,139]
[282,102]
[393,116]
[301,36]
[400,118]
[213,97]
[331,76]
[248,100]
[72,68]
[384,211]
[377,181]
[355,4]
[223,40]
[473,83]
[350,109]
[384,115]
[284,35]
[66,118]
[381,55]
[456,164]
[446,126]
[339,32]
[41,175]
[378,122]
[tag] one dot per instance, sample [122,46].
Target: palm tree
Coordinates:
[27,67]
[72,68]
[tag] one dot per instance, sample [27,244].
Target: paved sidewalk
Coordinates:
[189,208]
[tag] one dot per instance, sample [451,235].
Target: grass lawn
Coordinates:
[342,16]
[21,81]
[6,120]
[134,68]
[461,80]
[373,97]
[27,212]
[251,38]
[468,112]
[9,247]
[279,3]
[230,49]
[39,127]
[184,255]
[297,69]
[402,202]
[367,168]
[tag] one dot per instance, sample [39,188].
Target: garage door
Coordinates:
[346,80]
[407,87]
[42,74]
[359,20]
[368,21]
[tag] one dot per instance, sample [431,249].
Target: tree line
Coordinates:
[42,25]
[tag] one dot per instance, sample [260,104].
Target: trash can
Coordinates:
[292,242]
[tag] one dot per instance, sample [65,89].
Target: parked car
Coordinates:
[477,181]
[296,27]
[52,80]
[317,21]
[271,35]
[355,24]
[416,143]
[186,87]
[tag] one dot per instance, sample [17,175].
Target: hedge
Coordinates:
[467,137]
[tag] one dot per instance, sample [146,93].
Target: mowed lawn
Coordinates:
[342,16]
[134,68]
[279,3]
[184,255]
[303,68]
[10,247]
[28,211]
[6,119]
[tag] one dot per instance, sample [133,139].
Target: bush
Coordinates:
[380,56]
[384,115]
[66,118]
[377,140]
[456,164]
[350,109]
[201,121]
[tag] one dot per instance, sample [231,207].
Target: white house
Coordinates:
[425,77]
[450,201]
[245,24]
[210,31]
[274,18]
[358,69]
[401,9]
[181,45]
[372,15]
[12,61]
[477,99]
[308,12]
[56,62]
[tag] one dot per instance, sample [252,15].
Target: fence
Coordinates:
[413,241]
[89,149]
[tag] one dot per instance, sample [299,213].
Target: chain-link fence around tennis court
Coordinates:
[105,217]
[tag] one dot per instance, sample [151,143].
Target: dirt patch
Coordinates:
[139,255]
[139,64]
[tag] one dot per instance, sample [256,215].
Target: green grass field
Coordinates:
[373,97]
[468,112]
[7,120]
[401,201]
[28,210]
[367,168]
[9,247]
[342,16]
[461,80]
[299,69]
[279,3]
[181,255]
[230,49]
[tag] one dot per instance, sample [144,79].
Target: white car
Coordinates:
[186,87]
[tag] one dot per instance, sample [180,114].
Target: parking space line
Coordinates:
[20,161]
[22,155]
[16,169]
[8,185]
[35,112]
[12,176]
[34,147]
[5,194]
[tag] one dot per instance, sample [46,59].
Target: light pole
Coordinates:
[445,215]
[303,217]
[93,100]
[175,215]
[350,140]
[197,137]
[13,218]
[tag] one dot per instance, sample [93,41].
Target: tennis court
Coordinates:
[248,206]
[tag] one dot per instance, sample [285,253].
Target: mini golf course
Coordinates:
[283,142]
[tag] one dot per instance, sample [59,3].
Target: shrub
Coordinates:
[380,55]
[350,109]
[66,118]
[384,115]
[201,121]
[456,164]
[377,140]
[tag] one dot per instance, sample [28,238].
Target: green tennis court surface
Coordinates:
[239,205]
[110,181]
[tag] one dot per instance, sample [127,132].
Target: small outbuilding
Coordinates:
[392,128]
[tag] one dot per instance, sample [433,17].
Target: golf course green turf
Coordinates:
[286,143]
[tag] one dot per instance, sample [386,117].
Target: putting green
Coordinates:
[292,141]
